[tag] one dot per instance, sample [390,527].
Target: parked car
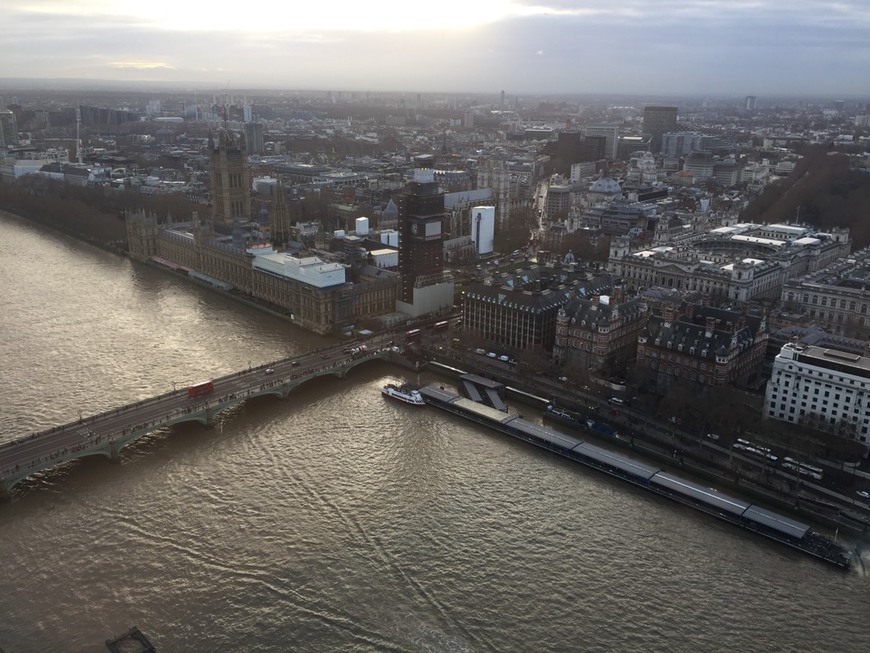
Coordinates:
[491,354]
[713,436]
[503,358]
[864,494]
[480,351]
[616,401]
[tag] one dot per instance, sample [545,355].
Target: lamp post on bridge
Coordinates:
[174,388]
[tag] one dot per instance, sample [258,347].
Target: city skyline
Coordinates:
[547,47]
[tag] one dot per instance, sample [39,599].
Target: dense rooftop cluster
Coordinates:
[656,195]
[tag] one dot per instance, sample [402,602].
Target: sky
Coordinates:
[691,47]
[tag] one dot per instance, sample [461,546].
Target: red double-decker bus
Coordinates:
[201,388]
[440,326]
[413,333]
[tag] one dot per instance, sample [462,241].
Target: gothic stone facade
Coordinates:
[321,310]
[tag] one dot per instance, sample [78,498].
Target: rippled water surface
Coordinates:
[334,521]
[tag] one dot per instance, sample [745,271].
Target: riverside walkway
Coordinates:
[109,432]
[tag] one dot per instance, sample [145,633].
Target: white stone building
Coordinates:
[740,262]
[822,388]
[836,297]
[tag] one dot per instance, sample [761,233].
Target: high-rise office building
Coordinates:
[680,143]
[230,183]
[611,138]
[254,138]
[658,120]
[567,150]
[572,147]
[751,103]
[8,129]
[593,148]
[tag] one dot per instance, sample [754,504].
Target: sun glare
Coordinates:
[336,15]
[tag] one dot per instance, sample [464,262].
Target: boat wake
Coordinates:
[861,559]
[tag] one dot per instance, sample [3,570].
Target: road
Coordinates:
[661,439]
[38,450]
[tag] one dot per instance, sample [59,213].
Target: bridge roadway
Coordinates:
[107,433]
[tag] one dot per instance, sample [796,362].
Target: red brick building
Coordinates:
[599,332]
[702,345]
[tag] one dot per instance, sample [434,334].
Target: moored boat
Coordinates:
[652,477]
[405,393]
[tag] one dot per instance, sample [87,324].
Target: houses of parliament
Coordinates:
[315,293]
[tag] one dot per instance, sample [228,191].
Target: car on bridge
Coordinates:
[269,370]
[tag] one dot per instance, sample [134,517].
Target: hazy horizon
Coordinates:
[83,85]
[551,47]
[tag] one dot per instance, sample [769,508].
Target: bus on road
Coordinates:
[201,388]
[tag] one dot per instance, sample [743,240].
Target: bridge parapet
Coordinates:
[107,433]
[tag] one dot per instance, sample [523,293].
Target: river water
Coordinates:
[333,520]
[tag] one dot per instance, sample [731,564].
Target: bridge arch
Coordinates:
[356,363]
[22,475]
[108,441]
[191,417]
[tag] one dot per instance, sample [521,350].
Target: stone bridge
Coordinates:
[108,433]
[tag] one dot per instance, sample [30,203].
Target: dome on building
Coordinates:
[606,185]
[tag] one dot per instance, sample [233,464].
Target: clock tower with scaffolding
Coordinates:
[421,247]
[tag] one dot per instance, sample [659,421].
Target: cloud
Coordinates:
[140,65]
[633,46]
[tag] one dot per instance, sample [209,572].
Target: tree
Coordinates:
[823,189]
[517,232]
[88,212]
[585,247]
[577,374]
[533,360]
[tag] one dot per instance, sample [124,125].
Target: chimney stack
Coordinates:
[711,326]
[669,314]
